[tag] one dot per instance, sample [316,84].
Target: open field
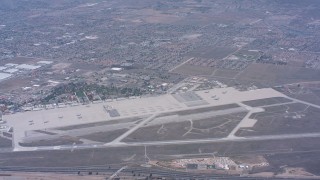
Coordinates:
[277,75]
[212,52]
[212,127]
[284,119]
[192,70]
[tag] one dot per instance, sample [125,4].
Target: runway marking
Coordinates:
[57,147]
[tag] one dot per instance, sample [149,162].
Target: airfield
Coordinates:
[216,122]
[216,115]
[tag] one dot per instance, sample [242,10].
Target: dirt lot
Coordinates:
[288,119]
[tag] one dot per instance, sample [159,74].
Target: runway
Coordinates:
[172,142]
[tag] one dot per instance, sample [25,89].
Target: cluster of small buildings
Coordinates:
[219,163]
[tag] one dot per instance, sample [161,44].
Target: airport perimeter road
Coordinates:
[126,134]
